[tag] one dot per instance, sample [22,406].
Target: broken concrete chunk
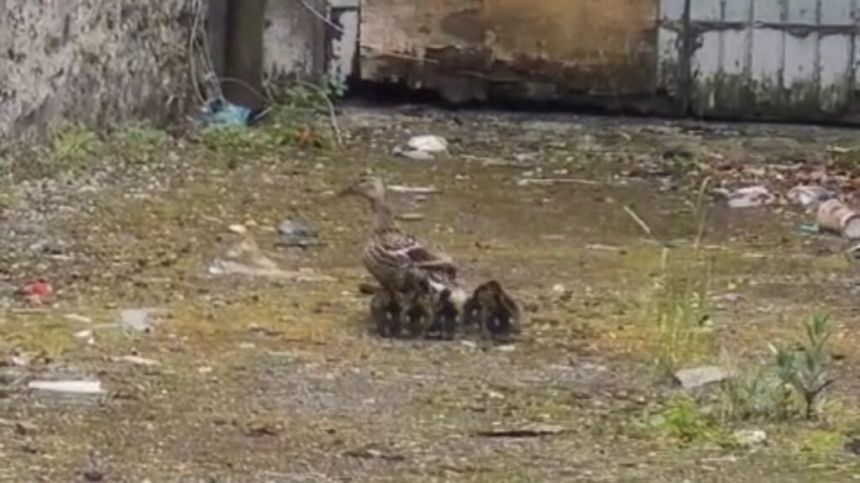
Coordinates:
[701,376]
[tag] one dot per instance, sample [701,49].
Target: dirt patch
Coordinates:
[262,379]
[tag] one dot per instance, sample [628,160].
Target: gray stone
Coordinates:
[697,377]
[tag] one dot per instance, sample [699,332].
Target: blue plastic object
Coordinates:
[221,112]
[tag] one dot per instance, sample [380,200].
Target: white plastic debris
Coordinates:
[413,190]
[747,197]
[808,195]
[423,148]
[68,387]
[749,437]
[140,361]
[137,320]
[428,143]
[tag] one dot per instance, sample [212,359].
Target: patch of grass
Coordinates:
[679,312]
[73,146]
[683,419]
[793,383]
[754,395]
[140,142]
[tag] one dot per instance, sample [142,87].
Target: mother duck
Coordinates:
[394,257]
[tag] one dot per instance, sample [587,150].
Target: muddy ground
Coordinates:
[255,378]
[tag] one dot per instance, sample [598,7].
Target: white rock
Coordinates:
[701,376]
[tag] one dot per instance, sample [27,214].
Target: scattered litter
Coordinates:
[37,292]
[428,143]
[838,150]
[526,431]
[550,181]
[413,190]
[238,228]
[86,335]
[423,148]
[78,318]
[220,112]
[506,348]
[204,370]
[370,453]
[469,344]
[19,361]
[809,228]
[414,155]
[701,376]
[297,234]
[68,387]
[809,196]
[835,216]
[410,217]
[748,197]
[140,361]
[605,248]
[749,437]
[526,158]
[259,429]
[137,320]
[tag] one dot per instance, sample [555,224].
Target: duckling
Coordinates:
[445,317]
[417,306]
[392,256]
[495,312]
[386,312]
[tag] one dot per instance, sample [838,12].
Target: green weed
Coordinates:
[805,369]
[73,146]
[679,311]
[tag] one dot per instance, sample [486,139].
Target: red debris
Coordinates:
[37,291]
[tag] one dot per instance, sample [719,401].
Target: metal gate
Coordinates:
[775,59]
[785,59]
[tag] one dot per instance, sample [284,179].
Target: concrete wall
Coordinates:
[293,39]
[545,48]
[96,61]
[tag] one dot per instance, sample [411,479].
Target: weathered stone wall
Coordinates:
[94,61]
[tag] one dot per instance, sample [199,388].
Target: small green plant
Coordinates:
[754,394]
[73,145]
[684,419]
[679,312]
[806,369]
[140,142]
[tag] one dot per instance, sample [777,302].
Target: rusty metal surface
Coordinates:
[546,48]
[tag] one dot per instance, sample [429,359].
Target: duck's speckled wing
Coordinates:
[395,250]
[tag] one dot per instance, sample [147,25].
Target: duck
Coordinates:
[397,259]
